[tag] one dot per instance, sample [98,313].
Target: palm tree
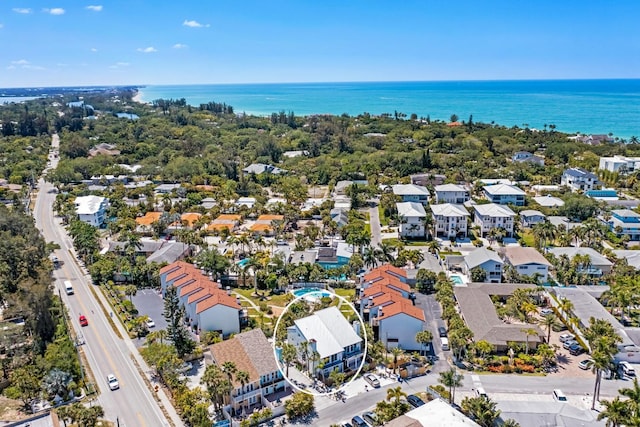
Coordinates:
[314,358]
[634,397]
[544,232]
[243,378]
[615,411]
[370,257]
[289,355]
[548,322]
[396,394]
[385,252]
[528,332]
[451,379]
[159,335]
[510,422]
[230,369]
[423,338]
[397,352]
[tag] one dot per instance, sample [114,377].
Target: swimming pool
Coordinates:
[457,280]
[314,291]
[242,262]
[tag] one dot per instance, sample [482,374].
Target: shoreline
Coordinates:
[138,97]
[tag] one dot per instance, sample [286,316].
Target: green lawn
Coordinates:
[346,293]
[384,221]
[527,238]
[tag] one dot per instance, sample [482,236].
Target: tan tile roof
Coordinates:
[149,218]
[517,255]
[250,351]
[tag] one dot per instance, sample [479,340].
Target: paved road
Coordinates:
[374,223]
[132,404]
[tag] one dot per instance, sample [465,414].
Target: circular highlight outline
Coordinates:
[364,353]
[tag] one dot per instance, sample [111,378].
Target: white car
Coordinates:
[151,323]
[113,382]
[566,337]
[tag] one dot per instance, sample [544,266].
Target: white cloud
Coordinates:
[54,11]
[20,62]
[194,24]
[22,10]
[95,8]
[118,65]
[11,67]
[149,49]
[180,46]
[93,49]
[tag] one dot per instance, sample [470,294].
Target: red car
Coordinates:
[83,320]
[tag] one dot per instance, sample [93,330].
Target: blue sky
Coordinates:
[60,42]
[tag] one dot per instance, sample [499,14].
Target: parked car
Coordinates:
[372,380]
[414,400]
[585,364]
[567,344]
[576,349]
[370,418]
[442,331]
[566,337]
[151,323]
[626,369]
[358,422]
[113,382]
[559,327]
[83,320]
[546,311]
[345,424]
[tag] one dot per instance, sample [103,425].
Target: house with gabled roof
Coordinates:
[451,193]
[260,168]
[487,260]
[252,353]
[396,321]
[527,261]
[411,193]
[264,224]
[450,220]
[92,209]
[329,333]
[228,221]
[412,216]
[379,272]
[527,157]
[479,313]
[531,217]
[220,312]
[504,194]
[578,179]
[598,264]
[491,216]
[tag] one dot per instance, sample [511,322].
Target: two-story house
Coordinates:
[412,216]
[328,333]
[487,260]
[450,220]
[624,222]
[92,209]
[504,194]
[397,321]
[531,217]
[411,193]
[527,262]
[578,179]
[451,193]
[491,216]
[619,164]
[252,353]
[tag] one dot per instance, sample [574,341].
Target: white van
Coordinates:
[559,395]
[445,344]
[68,288]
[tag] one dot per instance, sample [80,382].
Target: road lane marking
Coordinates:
[139,415]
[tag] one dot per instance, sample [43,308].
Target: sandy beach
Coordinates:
[138,97]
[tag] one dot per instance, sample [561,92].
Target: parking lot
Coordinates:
[149,303]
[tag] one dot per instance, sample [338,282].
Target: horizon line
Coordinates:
[324,82]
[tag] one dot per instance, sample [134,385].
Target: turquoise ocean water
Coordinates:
[586,106]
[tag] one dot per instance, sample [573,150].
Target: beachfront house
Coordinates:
[530,217]
[493,216]
[487,260]
[504,194]
[411,193]
[328,333]
[451,193]
[92,209]
[412,216]
[450,220]
[527,262]
[252,353]
[578,179]
[624,222]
